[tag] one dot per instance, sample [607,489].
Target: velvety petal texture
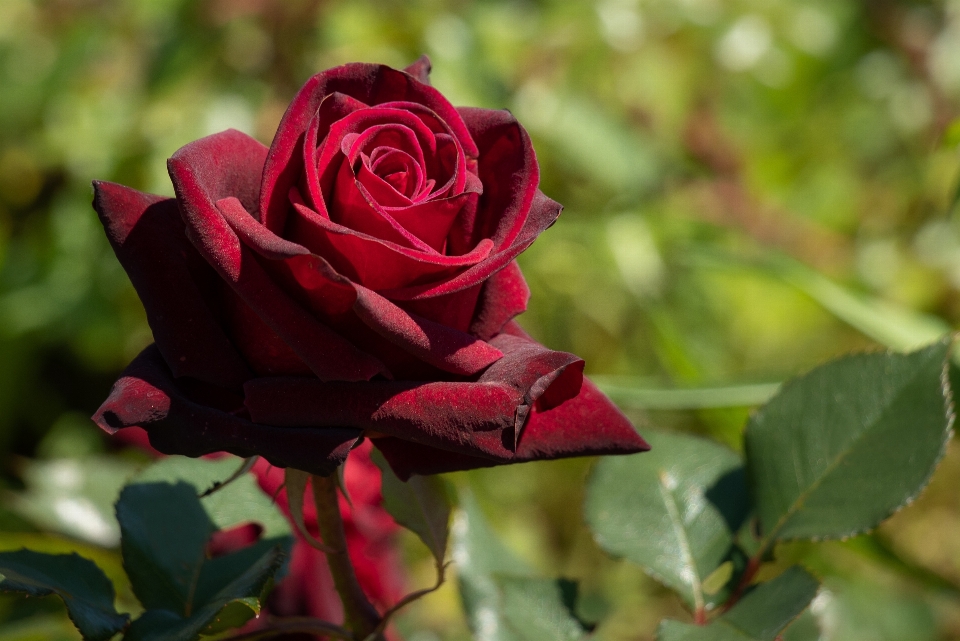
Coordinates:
[355,279]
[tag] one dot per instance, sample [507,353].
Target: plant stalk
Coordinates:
[360,617]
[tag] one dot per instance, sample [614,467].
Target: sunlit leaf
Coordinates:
[841,448]
[672,510]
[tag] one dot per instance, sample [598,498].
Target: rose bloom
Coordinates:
[356,279]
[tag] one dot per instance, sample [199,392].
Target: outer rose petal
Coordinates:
[147,396]
[477,419]
[588,425]
[504,296]
[420,69]
[173,282]
[508,170]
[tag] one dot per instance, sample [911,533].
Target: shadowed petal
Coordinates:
[504,296]
[147,235]
[147,396]
[443,347]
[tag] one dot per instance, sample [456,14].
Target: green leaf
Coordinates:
[534,610]
[822,452]
[673,510]
[164,536]
[770,607]
[421,505]
[239,502]
[84,588]
[759,616]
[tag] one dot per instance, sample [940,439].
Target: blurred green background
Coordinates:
[751,188]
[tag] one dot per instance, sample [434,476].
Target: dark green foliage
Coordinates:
[87,593]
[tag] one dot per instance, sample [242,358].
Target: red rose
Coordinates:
[355,279]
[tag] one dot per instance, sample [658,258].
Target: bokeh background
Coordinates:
[751,187]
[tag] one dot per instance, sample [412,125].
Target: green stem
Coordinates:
[359,615]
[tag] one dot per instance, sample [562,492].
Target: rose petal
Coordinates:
[329,355]
[371,85]
[373,262]
[332,108]
[453,310]
[147,396]
[201,177]
[543,213]
[205,171]
[509,173]
[475,418]
[147,235]
[420,69]
[588,425]
[354,208]
[504,296]
[443,347]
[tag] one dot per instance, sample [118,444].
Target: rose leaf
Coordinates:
[164,536]
[673,511]
[420,504]
[841,448]
[84,588]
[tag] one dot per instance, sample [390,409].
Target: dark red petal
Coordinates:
[431,221]
[210,169]
[373,262]
[588,425]
[473,418]
[174,283]
[304,164]
[456,416]
[453,310]
[543,213]
[329,355]
[147,396]
[504,296]
[507,167]
[420,69]
[355,208]
[443,347]
[368,83]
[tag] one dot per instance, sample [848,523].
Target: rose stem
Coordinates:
[360,616]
